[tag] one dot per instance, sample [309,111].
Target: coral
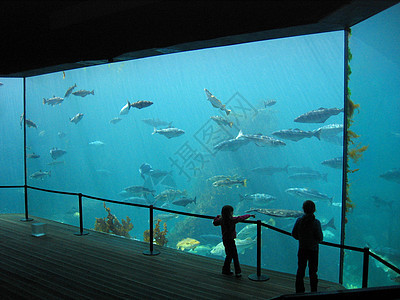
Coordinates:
[111,224]
[159,237]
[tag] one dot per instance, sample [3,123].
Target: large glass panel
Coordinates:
[374,188]
[11,145]
[214,112]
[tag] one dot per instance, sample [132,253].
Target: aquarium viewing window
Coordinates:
[259,126]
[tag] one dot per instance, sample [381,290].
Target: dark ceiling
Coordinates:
[46,36]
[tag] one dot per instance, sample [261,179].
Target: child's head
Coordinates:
[227,212]
[309,207]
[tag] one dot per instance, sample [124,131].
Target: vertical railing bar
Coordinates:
[344,167]
[258,276]
[26,219]
[81,232]
[151,252]
[365,267]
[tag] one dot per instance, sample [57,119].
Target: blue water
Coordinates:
[301,73]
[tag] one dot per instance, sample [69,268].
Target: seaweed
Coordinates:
[357,151]
[158,235]
[111,224]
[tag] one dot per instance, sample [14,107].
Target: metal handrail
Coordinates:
[258,276]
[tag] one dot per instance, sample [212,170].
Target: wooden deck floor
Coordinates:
[100,266]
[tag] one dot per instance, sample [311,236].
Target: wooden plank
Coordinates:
[105,266]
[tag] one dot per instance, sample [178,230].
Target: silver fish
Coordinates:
[184,201]
[231,145]
[169,132]
[336,163]
[269,103]
[279,213]
[309,176]
[392,175]
[269,170]
[221,121]
[157,122]
[261,140]
[83,93]
[308,194]
[115,120]
[319,115]
[260,198]
[328,131]
[138,189]
[125,109]
[293,134]
[69,91]
[53,101]
[76,118]
[56,153]
[215,102]
[40,175]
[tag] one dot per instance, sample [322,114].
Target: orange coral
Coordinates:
[158,235]
[111,224]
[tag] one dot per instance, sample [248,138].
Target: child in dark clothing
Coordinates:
[307,230]
[228,223]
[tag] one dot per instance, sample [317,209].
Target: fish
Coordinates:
[53,101]
[216,103]
[157,122]
[230,182]
[61,134]
[187,244]
[380,202]
[170,132]
[97,143]
[336,163]
[309,176]
[330,224]
[56,162]
[125,109]
[269,103]
[201,250]
[241,246]
[249,231]
[170,194]
[141,104]
[232,144]
[69,91]
[138,189]
[29,123]
[221,121]
[165,217]
[57,153]
[40,175]
[83,93]
[308,194]
[138,200]
[262,140]
[76,118]
[293,134]
[391,175]
[220,177]
[319,115]
[260,199]
[269,170]
[184,201]
[279,213]
[115,120]
[33,155]
[328,131]
[300,169]
[145,169]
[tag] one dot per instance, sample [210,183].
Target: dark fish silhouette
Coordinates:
[141,104]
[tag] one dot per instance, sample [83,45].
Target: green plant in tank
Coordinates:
[355,150]
[111,224]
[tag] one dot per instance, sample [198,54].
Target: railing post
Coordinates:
[258,276]
[151,251]
[26,219]
[365,267]
[81,232]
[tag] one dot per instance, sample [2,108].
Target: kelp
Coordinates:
[356,152]
[159,237]
[110,224]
